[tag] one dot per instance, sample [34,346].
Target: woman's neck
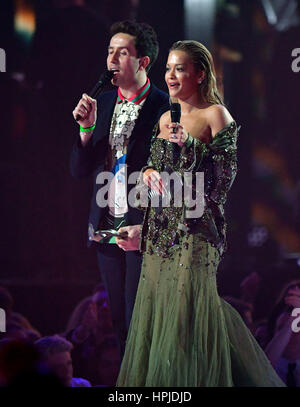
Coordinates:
[193,102]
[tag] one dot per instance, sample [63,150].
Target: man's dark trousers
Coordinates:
[120,272]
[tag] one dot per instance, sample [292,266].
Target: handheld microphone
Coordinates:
[103,81]
[175,111]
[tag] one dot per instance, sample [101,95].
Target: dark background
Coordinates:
[54,54]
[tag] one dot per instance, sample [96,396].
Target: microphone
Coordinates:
[103,81]
[175,111]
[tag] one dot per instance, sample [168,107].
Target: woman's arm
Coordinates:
[223,153]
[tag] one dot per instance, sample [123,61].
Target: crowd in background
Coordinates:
[86,353]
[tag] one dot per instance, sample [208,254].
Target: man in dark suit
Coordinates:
[116,141]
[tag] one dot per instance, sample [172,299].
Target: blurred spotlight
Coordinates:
[281,14]
[264,251]
[24,20]
[257,236]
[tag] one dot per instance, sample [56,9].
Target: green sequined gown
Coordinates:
[182,333]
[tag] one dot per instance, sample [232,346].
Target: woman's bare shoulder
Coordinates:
[218,112]
[218,117]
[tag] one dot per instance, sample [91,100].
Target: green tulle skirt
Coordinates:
[183,334]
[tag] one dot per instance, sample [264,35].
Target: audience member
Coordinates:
[55,354]
[19,366]
[261,332]
[90,316]
[88,326]
[283,349]
[250,287]
[109,362]
[17,326]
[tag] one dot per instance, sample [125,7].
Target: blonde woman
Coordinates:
[182,333]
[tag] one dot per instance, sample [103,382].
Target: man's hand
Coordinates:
[132,241]
[87,109]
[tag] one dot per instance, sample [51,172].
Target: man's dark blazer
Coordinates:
[90,159]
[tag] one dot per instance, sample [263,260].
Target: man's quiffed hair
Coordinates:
[146,43]
[51,345]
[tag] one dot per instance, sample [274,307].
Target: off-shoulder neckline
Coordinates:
[229,125]
[226,127]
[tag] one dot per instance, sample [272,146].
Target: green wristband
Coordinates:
[88,128]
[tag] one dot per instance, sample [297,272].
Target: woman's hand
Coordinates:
[180,136]
[153,179]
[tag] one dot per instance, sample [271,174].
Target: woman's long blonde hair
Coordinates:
[202,61]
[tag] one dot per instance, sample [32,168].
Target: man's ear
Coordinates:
[144,62]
